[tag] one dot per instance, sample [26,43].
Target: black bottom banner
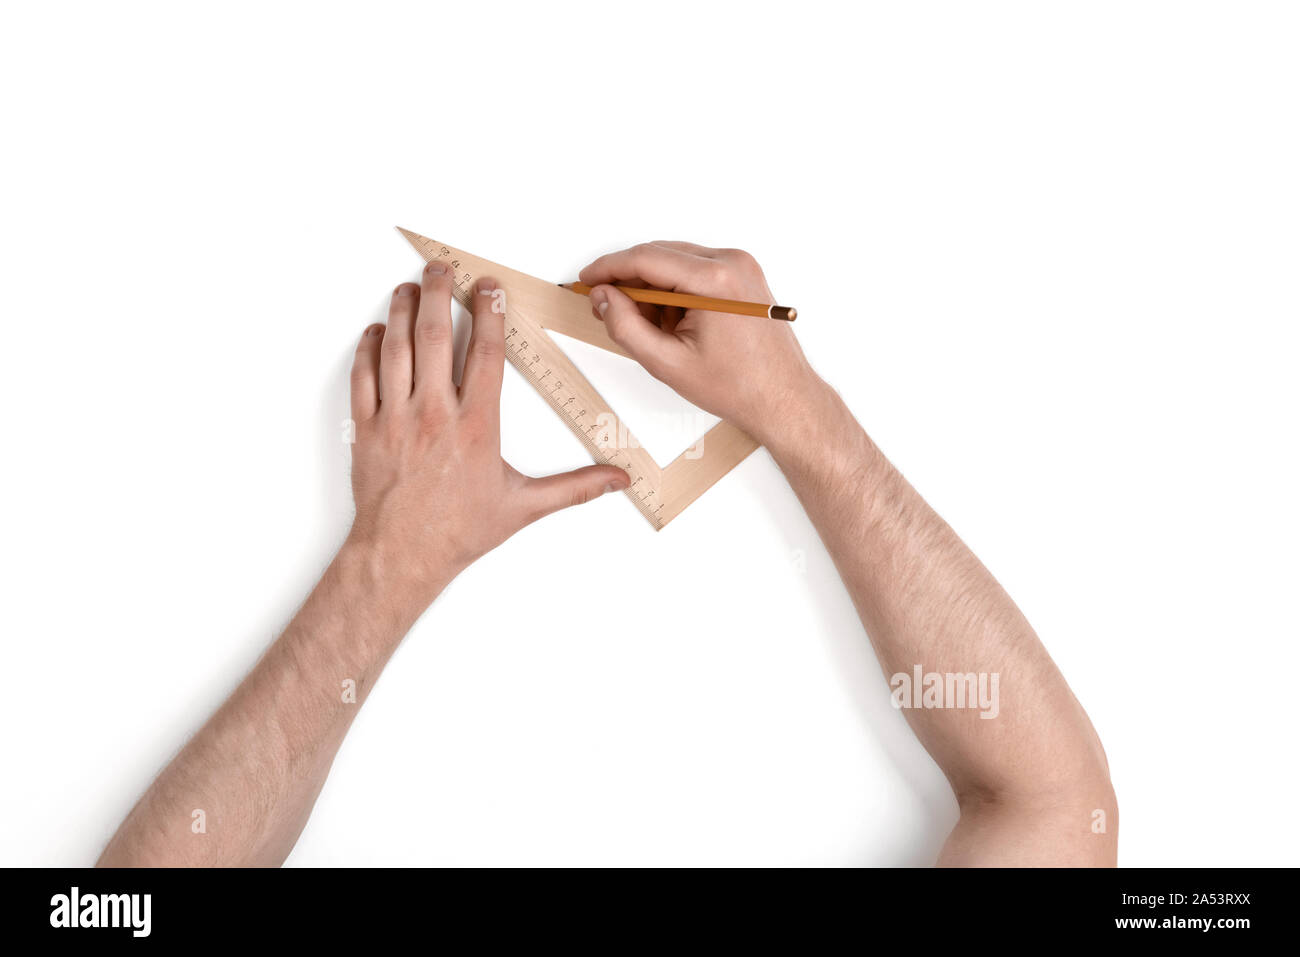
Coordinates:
[144,908]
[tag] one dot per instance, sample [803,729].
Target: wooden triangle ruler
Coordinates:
[534,305]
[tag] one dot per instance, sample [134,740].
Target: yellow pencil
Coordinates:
[661,297]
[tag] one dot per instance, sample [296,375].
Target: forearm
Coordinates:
[255,769]
[432,495]
[926,600]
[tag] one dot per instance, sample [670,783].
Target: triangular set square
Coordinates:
[533,306]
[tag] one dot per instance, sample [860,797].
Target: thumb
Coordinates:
[645,342]
[545,495]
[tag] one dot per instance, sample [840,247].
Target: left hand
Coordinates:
[432,491]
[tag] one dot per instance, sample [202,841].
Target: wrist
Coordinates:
[823,447]
[398,586]
[804,418]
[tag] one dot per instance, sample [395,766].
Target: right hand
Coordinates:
[748,371]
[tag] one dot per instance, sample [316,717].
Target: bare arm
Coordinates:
[432,495]
[1029,779]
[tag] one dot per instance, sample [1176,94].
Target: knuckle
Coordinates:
[395,347]
[475,425]
[740,258]
[390,428]
[476,431]
[432,332]
[487,347]
[716,271]
[642,251]
[430,416]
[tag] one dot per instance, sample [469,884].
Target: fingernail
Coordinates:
[486,286]
[436,268]
[614,487]
[376,330]
[405,289]
[600,300]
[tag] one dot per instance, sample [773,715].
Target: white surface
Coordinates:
[1049,256]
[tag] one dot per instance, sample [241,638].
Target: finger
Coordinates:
[650,310]
[659,266]
[365,374]
[485,357]
[395,354]
[542,496]
[704,252]
[433,337]
[658,351]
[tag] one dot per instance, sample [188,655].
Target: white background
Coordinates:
[1048,253]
